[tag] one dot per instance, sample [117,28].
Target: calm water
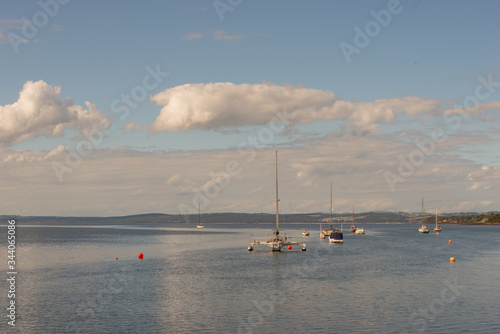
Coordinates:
[391,280]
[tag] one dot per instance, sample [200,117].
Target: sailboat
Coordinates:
[353,229]
[438,227]
[335,236]
[324,234]
[359,230]
[198,223]
[423,228]
[276,241]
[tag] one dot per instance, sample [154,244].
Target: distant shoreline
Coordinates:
[490,218]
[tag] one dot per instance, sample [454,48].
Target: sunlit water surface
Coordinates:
[391,280]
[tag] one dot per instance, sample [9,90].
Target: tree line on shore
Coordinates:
[264,218]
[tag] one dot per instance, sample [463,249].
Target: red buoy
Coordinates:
[290,247]
[141,255]
[450,241]
[117,258]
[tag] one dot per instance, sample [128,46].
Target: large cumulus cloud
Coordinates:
[41,111]
[215,106]
[225,104]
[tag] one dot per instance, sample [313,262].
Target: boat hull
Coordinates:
[360,231]
[276,244]
[336,238]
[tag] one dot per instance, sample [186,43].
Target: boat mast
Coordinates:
[436,218]
[422,211]
[353,216]
[331,204]
[277,200]
[198,220]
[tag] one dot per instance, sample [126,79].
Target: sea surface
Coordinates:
[391,280]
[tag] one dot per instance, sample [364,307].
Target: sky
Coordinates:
[111,108]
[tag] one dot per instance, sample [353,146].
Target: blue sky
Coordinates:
[428,68]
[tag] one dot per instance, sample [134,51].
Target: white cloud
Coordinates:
[108,181]
[8,24]
[16,25]
[134,127]
[224,104]
[57,27]
[222,34]
[192,36]
[40,111]
[173,179]
[483,179]
[227,105]
[24,156]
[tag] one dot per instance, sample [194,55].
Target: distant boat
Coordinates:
[305,233]
[357,230]
[438,227]
[324,234]
[276,242]
[335,236]
[423,228]
[353,229]
[199,224]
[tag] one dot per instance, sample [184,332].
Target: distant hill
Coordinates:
[489,218]
[261,218]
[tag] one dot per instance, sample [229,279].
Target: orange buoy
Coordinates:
[290,247]
[450,241]
[117,258]
[141,255]
[452,259]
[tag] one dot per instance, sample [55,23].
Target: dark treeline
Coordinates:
[478,218]
[264,218]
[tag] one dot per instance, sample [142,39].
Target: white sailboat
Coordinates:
[359,230]
[276,241]
[423,228]
[333,234]
[438,227]
[325,234]
[198,223]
